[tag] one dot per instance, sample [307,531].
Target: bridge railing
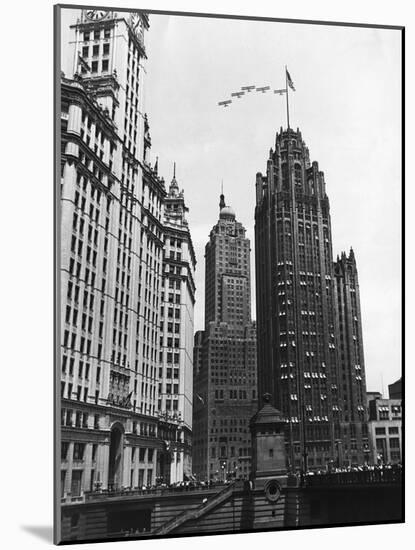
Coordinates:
[195,513]
[363,477]
[152,491]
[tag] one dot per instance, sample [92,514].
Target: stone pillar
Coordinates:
[269,467]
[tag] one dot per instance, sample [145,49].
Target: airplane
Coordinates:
[248,88]
[238,94]
[263,89]
[282,91]
[225,103]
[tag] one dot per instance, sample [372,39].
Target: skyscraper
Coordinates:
[176,333]
[112,239]
[297,316]
[352,378]
[225,356]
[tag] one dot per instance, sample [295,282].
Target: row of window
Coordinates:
[97,34]
[96,48]
[79,419]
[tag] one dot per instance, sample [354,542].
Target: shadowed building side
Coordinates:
[310,347]
[225,376]
[354,445]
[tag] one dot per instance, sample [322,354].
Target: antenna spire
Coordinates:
[288,84]
[286,95]
[222,198]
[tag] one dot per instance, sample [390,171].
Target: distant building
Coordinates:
[385,428]
[371,395]
[176,334]
[225,380]
[395,390]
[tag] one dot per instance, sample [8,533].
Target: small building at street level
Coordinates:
[225,380]
[385,428]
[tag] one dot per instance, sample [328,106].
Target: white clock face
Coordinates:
[96,15]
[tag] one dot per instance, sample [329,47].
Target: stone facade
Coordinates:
[176,332]
[114,433]
[302,354]
[353,447]
[225,379]
[385,430]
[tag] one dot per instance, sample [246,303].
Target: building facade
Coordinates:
[176,331]
[385,429]
[225,395]
[354,446]
[297,310]
[395,390]
[111,266]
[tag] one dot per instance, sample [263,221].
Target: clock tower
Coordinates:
[112,208]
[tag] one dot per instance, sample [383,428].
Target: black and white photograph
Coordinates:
[229,266]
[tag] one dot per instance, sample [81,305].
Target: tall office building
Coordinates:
[355,439]
[176,332]
[225,356]
[112,240]
[297,317]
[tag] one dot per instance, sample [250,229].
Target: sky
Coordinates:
[347,105]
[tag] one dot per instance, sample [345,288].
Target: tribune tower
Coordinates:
[297,310]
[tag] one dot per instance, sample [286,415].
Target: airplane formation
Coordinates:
[247,90]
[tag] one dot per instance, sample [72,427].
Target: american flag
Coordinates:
[289,80]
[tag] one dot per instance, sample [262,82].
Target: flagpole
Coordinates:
[286,94]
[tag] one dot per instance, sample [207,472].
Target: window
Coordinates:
[106,49]
[395,455]
[78,451]
[78,419]
[64,450]
[94,66]
[63,479]
[394,442]
[76,483]
[149,477]
[85,420]
[105,65]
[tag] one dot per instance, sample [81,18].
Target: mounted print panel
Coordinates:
[228,313]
